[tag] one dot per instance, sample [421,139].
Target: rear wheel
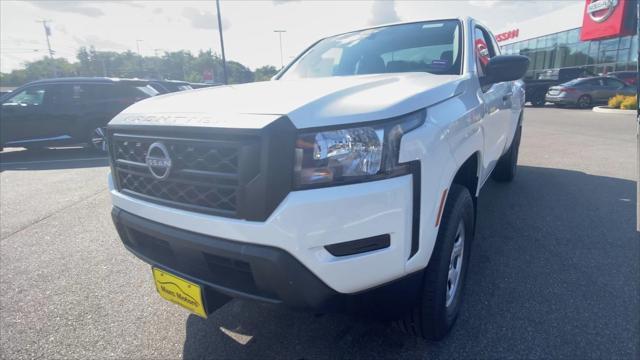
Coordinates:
[538,102]
[538,99]
[507,166]
[441,297]
[584,102]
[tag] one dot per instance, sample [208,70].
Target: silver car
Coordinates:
[585,92]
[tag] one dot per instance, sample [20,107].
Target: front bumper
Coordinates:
[234,269]
[298,231]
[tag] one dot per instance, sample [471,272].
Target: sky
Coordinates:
[248,26]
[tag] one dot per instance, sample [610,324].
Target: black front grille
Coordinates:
[206,175]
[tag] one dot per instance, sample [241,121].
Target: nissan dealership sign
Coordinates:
[600,10]
[607,18]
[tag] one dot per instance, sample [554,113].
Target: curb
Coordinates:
[608,110]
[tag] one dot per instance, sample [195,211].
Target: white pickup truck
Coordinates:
[348,181]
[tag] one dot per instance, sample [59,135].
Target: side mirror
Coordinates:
[505,68]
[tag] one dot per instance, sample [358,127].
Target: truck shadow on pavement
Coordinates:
[553,273]
[50,159]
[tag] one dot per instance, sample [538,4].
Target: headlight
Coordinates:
[347,155]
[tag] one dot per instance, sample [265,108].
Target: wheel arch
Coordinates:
[468,175]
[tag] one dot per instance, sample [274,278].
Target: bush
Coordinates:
[623,102]
[630,103]
[616,101]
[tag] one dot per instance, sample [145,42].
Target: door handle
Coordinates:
[506,97]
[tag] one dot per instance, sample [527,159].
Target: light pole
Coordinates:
[280,36]
[47,33]
[138,41]
[224,59]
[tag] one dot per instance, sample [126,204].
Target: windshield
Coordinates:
[432,47]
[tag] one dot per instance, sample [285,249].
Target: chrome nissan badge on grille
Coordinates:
[158,161]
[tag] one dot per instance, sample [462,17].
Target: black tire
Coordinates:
[538,101]
[507,166]
[584,102]
[431,318]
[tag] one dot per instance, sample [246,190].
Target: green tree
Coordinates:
[176,65]
[265,73]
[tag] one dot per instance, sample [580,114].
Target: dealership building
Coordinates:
[600,35]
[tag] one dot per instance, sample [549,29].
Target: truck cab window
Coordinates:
[484,50]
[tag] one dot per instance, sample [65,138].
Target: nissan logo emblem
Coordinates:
[600,10]
[158,161]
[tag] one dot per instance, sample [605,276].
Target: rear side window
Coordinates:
[60,94]
[613,83]
[92,92]
[591,82]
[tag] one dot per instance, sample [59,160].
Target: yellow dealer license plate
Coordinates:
[179,291]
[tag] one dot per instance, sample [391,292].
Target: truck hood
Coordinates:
[307,102]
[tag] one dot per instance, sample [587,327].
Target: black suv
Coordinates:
[66,111]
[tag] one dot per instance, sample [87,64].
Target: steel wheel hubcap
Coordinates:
[97,139]
[584,102]
[455,264]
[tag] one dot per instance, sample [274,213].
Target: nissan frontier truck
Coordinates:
[348,180]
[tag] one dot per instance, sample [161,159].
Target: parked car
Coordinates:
[628,77]
[169,86]
[351,178]
[536,89]
[65,111]
[204,85]
[586,92]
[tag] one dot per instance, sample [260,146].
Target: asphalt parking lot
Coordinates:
[554,270]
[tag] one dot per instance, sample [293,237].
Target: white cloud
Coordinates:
[384,12]
[483,3]
[283,2]
[99,43]
[77,7]
[250,40]
[202,19]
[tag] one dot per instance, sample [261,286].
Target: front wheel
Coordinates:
[444,278]
[584,102]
